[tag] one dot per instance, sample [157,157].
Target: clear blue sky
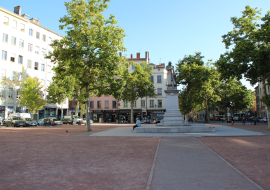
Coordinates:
[169,30]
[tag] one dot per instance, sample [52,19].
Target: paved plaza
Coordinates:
[114,157]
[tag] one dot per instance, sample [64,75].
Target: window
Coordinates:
[43,67]
[30,47]
[114,104]
[37,50]
[22,27]
[36,66]
[44,38]
[152,79]
[21,43]
[134,104]
[159,91]
[158,69]
[159,79]
[14,24]
[2,93]
[29,64]
[73,103]
[91,104]
[4,55]
[20,59]
[133,67]
[5,38]
[19,76]
[13,40]
[6,20]
[37,35]
[125,104]
[142,103]
[98,104]
[151,103]
[30,32]
[106,103]
[43,52]
[12,57]
[10,93]
[160,103]
[49,68]
[3,74]
[18,94]
[12,74]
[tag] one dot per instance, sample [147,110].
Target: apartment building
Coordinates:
[260,106]
[147,106]
[24,44]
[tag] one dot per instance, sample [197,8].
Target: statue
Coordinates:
[171,76]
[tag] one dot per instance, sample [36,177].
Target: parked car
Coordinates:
[30,122]
[263,119]
[84,121]
[40,122]
[68,121]
[236,118]
[15,122]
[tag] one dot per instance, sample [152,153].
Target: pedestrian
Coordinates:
[138,123]
[154,120]
[232,119]
[243,120]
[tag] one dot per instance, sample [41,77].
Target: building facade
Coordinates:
[260,106]
[24,45]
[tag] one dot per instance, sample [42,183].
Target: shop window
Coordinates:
[142,103]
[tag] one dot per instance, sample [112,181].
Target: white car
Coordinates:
[84,121]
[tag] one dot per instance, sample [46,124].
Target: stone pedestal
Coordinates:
[172,116]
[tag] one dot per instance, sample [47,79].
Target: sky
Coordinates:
[168,30]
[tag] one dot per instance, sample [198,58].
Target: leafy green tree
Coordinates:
[248,52]
[60,89]
[185,102]
[138,84]
[89,52]
[30,95]
[201,81]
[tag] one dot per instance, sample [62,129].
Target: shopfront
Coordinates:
[157,114]
[125,115]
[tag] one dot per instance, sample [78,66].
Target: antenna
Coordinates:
[160,61]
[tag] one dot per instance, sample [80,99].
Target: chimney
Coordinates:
[131,56]
[35,20]
[138,55]
[18,10]
[25,16]
[147,56]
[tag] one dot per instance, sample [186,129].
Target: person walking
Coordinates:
[232,119]
[138,123]
[243,120]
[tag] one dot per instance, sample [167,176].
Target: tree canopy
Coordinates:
[89,51]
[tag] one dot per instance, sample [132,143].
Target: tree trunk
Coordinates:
[131,112]
[88,124]
[61,113]
[206,111]
[266,107]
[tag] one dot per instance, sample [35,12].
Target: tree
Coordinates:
[248,52]
[61,88]
[89,52]
[30,95]
[185,102]
[201,81]
[138,84]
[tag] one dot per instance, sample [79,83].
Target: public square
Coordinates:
[67,157]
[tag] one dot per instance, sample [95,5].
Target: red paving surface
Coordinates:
[250,155]
[51,158]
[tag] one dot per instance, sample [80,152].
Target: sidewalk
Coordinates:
[185,163]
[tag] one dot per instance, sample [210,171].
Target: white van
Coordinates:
[75,118]
[21,115]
